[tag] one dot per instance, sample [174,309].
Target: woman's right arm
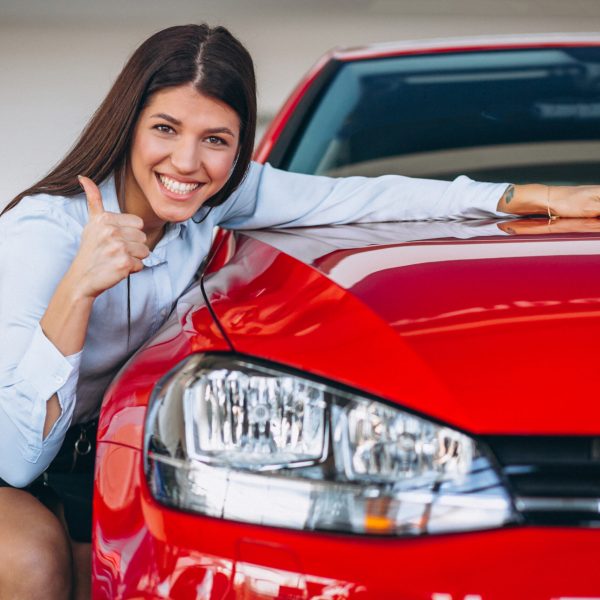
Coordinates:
[112,246]
[49,279]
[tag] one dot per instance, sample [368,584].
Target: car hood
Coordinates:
[492,333]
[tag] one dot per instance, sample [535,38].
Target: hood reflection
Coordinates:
[349,253]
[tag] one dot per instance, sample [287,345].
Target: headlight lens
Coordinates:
[229,438]
[234,418]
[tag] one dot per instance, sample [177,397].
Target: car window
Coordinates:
[510,115]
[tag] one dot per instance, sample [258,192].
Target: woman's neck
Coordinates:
[154,236]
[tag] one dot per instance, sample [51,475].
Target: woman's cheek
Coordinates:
[155,151]
[227,167]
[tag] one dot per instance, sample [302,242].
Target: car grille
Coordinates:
[553,480]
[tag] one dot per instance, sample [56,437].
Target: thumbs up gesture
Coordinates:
[112,245]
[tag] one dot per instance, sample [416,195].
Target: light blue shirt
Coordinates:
[40,237]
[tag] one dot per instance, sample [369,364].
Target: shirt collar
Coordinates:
[159,255]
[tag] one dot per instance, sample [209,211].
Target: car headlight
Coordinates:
[231,438]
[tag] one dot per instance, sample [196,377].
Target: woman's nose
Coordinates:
[186,156]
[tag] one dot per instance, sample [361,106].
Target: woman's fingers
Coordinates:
[137,249]
[120,220]
[131,234]
[92,193]
[137,265]
[96,206]
[125,220]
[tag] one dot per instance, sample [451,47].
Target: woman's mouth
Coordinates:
[178,188]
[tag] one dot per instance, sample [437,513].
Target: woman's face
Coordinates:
[183,150]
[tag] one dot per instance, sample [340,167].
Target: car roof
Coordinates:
[456,44]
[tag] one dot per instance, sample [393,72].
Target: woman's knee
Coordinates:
[35,559]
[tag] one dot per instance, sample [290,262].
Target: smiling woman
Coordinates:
[87,278]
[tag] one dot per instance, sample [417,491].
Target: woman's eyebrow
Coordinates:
[166,117]
[220,130]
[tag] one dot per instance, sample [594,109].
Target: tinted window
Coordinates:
[502,115]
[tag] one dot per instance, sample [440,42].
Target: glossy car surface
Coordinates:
[487,328]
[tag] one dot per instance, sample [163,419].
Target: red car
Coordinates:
[399,410]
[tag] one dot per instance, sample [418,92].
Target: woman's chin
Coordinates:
[176,214]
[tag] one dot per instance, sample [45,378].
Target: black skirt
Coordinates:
[69,480]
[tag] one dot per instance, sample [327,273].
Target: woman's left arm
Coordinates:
[270,197]
[553,201]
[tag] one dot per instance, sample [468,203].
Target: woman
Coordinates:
[87,278]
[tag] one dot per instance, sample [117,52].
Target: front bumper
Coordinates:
[145,550]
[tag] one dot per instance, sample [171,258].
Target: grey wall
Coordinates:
[58,58]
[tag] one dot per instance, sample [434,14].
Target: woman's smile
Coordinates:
[177,189]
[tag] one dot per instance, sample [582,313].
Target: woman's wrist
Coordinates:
[530,199]
[74,288]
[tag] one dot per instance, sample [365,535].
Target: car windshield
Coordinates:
[509,115]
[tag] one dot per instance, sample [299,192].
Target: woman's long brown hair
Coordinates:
[211,59]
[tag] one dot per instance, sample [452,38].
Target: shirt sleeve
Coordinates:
[269,197]
[36,249]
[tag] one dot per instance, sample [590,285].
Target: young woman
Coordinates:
[86,278]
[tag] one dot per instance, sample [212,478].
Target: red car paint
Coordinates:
[493,335]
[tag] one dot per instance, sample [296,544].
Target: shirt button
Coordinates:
[59,379]
[163,312]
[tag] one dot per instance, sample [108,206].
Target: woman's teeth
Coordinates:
[176,186]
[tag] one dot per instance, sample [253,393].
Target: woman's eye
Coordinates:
[163,128]
[216,140]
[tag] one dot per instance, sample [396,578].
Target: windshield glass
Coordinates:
[511,115]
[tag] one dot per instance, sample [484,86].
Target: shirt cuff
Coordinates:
[46,369]
[479,199]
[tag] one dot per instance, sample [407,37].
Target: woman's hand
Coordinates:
[575,201]
[112,246]
[557,201]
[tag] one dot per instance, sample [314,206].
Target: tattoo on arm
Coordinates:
[508,194]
